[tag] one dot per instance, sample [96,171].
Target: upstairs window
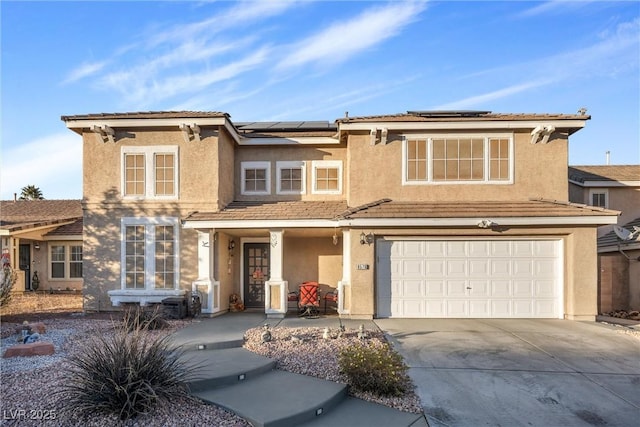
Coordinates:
[457,159]
[598,198]
[291,177]
[150,172]
[327,177]
[256,178]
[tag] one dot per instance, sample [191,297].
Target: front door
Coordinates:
[24,261]
[256,272]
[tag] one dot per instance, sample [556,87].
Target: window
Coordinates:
[455,159]
[327,177]
[149,250]
[150,172]
[598,198]
[291,177]
[256,178]
[66,261]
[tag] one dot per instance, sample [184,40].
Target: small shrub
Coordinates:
[8,278]
[127,373]
[375,369]
[140,318]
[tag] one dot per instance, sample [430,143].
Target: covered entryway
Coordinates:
[469,278]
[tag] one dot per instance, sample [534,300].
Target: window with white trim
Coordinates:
[291,177]
[149,253]
[65,260]
[599,197]
[327,176]
[256,178]
[150,172]
[458,159]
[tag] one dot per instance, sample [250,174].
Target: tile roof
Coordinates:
[460,116]
[25,214]
[611,239]
[386,208]
[531,208]
[286,210]
[604,173]
[147,115]
[73,229]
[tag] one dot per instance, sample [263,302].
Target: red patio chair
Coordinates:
[331,297]
[309,299]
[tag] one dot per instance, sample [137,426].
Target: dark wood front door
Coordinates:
[256,272]
[24,261]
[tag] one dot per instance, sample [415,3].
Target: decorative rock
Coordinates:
[32,338]
[38,327]
[266,334]
[40,348]
[296,339]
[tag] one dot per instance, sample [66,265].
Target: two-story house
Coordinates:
[423,214]
[613,187]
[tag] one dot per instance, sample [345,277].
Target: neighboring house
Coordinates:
[423,214]
[43,238]
[613,187]
[619,276]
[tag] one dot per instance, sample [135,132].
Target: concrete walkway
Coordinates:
[249,385]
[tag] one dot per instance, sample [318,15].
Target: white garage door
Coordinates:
[469,278]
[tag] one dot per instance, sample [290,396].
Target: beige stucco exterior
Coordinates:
[210,179]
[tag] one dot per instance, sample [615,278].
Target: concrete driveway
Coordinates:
[521,372]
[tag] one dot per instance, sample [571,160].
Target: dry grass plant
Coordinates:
[126,374]
[38,302]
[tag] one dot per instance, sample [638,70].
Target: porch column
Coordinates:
[276,287]
[206,284]
[344,285]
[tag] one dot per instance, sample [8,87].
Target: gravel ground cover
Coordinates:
[28,383]
[311,354]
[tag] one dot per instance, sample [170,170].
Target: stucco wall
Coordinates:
[295,153]
[375,172]
[314,259]
[580,265]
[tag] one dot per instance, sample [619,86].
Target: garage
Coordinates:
[517,278]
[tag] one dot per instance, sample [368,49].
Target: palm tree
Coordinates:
[31,192]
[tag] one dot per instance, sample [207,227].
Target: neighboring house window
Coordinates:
[291,177]
[66,261]
[455,159]
[598,198]
[149,251]
[256,178]
[327,176]
[150,172]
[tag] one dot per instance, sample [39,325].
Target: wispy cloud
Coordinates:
[614,54]
[20,167]
[554,7]
[485,98]
[84,70]
[345,39]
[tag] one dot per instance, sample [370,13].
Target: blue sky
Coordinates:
[306,60]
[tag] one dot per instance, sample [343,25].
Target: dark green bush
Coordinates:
[374,368]
[127,373]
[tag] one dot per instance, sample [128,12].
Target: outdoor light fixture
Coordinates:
[366,238]
[36,246]
[231,246]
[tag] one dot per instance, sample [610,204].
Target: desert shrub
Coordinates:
[125,373]
[143,318]
[8,278]
[374,368]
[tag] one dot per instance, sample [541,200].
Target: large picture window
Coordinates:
[149,251]
[150,172]
[65,261]
[458,159]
